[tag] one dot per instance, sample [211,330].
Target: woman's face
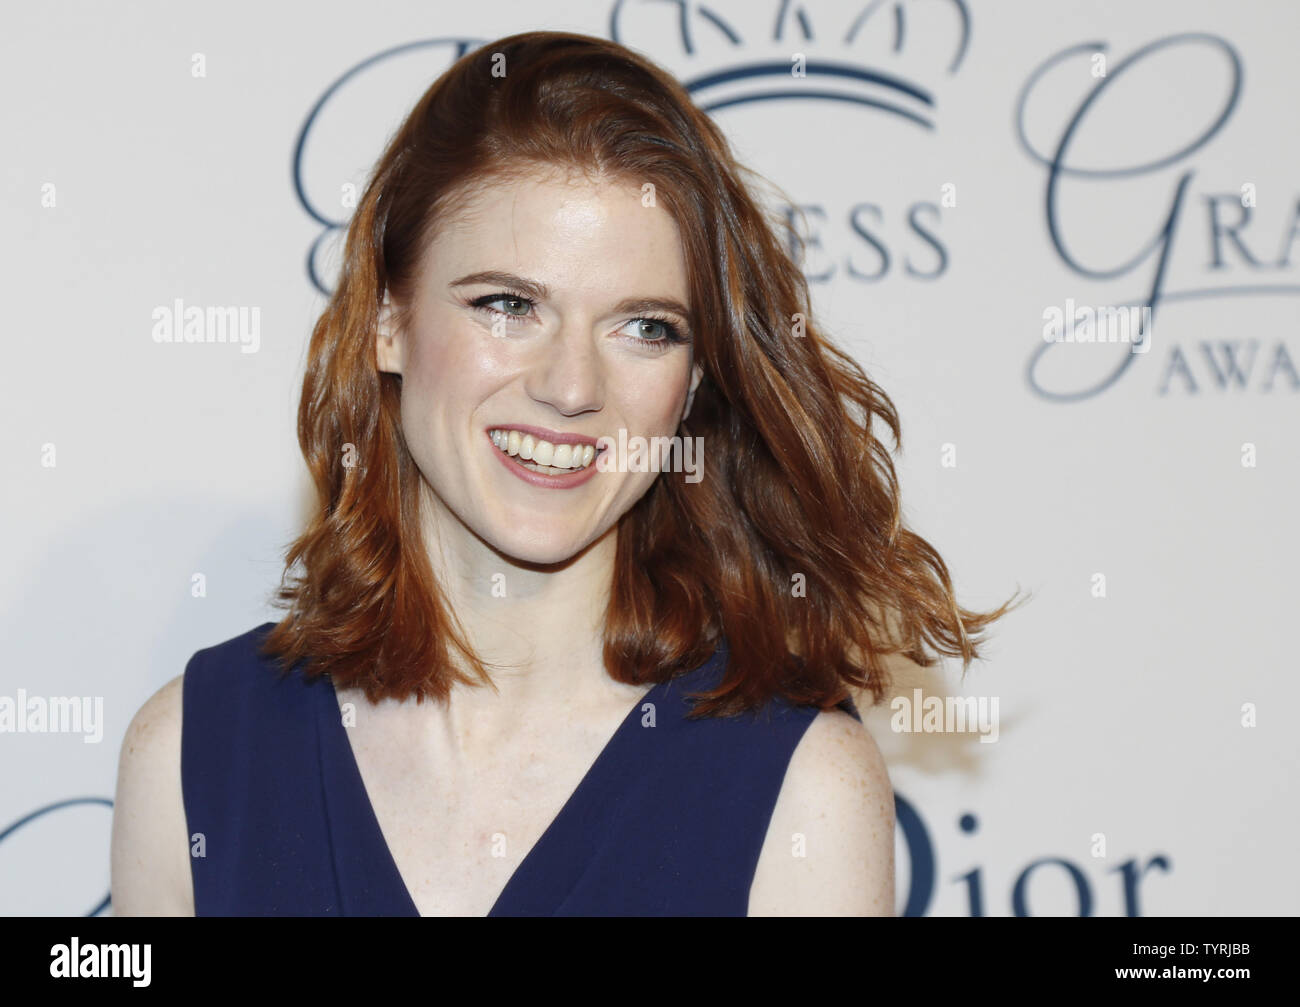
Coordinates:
[530,333]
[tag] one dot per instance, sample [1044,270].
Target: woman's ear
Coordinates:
[697,372]
[390,348]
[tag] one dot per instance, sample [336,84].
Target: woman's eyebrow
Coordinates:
[637,305]
[496,277]
[539,291]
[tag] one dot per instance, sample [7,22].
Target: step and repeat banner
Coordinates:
[1063,236]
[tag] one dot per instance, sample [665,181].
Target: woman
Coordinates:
[555,265]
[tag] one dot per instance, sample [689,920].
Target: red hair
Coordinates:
[796,485]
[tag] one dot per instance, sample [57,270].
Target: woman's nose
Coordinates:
[566,373]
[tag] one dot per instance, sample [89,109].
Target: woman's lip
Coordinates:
[564,482]
[554,436]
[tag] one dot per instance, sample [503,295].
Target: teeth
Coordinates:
[560,457]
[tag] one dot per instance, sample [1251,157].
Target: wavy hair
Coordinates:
[791,550]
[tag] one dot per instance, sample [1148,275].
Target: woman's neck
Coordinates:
[539,629]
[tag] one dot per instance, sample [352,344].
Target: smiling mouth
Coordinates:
[541,456]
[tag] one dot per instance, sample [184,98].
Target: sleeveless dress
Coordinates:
[668,821]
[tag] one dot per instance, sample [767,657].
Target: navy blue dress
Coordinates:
[669,820]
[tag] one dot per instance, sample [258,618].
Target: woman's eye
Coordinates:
[650,330]
[514,305]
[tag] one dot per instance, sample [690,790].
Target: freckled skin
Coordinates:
[837,795]
[149,854]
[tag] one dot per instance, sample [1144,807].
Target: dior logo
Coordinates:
[1119,895]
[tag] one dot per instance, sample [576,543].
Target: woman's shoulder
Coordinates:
[806,786]
[200,715]
[835,814]
[157,723]
[148,853]
[215,680]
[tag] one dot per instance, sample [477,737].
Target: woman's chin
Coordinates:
[549,549]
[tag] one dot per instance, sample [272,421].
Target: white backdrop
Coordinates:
[1147,499]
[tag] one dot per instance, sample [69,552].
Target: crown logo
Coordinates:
[881,54]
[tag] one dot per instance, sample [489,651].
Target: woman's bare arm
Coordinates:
[150,860]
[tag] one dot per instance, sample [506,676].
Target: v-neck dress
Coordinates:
[668,821]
